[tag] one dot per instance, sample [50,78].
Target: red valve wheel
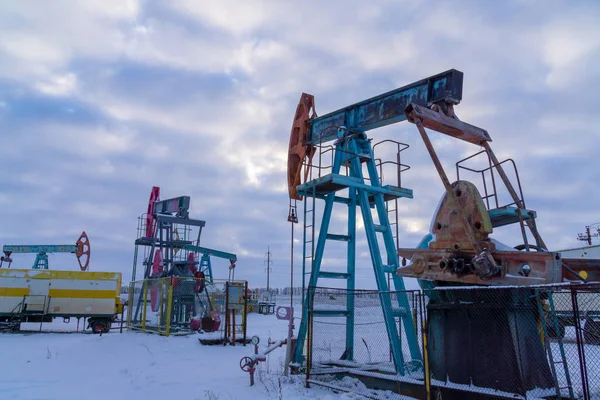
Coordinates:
[246,364]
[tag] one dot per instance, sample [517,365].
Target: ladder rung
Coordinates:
[399,312]
[343,238]
[334,275]
[389,268]
[331,313]
[380,228]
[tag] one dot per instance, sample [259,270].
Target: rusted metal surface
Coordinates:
[485,263]
[588,268]
[449,125]
[298,147]
[458,266]
[447,226]
[387,108]
[452,256]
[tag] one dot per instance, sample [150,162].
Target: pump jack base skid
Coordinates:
[380,377]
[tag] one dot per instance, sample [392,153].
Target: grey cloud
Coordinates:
[187,99]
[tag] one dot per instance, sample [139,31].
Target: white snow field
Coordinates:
[54,365]
[62,364]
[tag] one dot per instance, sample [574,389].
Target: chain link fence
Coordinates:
[365,341]
[473,342]
[180,305]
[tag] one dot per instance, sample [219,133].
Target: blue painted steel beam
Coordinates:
[169,206]
[387,108]
[67,248]
[210,252]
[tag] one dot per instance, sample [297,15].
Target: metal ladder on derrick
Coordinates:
[353,150]
[308,240]
[391,206]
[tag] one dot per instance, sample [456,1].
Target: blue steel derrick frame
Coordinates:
[354,149]
[387,108]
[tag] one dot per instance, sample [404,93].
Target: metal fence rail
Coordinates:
[476,342]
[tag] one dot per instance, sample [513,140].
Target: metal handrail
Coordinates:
[399,166]
[323,149]
[494,192]
[328,148]
[20,304]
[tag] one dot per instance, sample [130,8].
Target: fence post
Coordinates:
[161,313]
[145,290]
[580,345]
[309,335]
[245,311]
[169,307]
[227,324]
[122,314]
[129,304]
[426,372]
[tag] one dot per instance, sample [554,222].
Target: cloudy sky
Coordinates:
[100,100]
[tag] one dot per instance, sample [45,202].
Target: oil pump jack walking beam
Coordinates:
[309,131]
[347,127]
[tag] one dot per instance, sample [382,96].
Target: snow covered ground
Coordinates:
[59,365]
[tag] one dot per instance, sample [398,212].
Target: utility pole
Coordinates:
[588,235]
[268,263]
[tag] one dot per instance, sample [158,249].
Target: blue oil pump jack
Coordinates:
[81,249]
[347,128]
[460,253]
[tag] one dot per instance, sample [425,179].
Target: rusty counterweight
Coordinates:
[453,257]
